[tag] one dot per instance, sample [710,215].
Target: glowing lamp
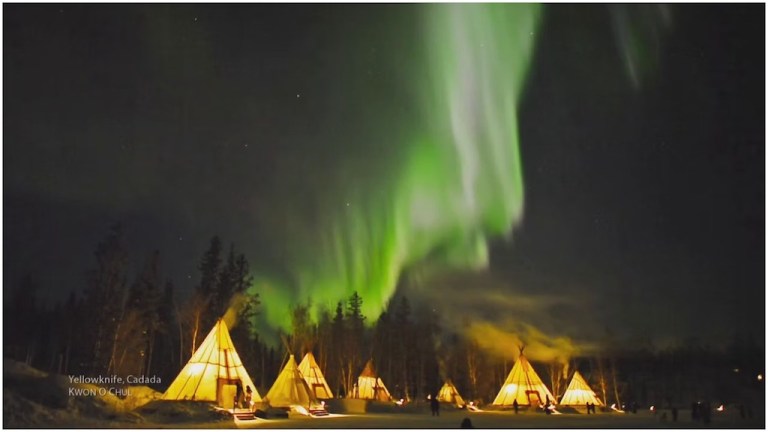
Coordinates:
[721,408]
[760,377]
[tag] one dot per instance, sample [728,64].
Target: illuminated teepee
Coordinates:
[523,385]
[579,393]
[314,377]
[370,386]
[290,389]
[213,372]
[449,394]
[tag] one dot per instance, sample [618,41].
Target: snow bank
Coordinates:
[165,411]
[35,398]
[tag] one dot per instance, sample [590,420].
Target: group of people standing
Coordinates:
[240,401]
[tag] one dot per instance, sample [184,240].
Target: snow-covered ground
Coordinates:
[35,399]
[505,420]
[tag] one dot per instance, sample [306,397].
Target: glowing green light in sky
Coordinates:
[457,181]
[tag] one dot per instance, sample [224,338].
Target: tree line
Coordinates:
[140,325]
[123,325]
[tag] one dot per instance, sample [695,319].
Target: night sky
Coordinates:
[641,134]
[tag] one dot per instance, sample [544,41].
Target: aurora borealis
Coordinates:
[604,159]
[458,178]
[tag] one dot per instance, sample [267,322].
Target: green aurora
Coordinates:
[436,200]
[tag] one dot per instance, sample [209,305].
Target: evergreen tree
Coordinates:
[18,334]
[144,299]
[383,351]
[303,332]
[403,348]
[165,360]
[206,306]
[338,348]
[242,278]
[225,285]
[323,347]
[354,340]
[74,350]
[245,338]
[427,331]
[104,300]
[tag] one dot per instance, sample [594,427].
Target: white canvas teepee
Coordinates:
[213,372]
[523,385]
[290,389]
[370,386]
[449,394]
[579,393]
[314,377]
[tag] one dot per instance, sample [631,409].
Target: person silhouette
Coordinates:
[238,394]
[435,405]
[248,396]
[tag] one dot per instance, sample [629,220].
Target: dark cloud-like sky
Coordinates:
[648,201]
[641,136]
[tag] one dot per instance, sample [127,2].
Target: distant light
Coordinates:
[429,396]
[736,370]
[760,377]
[721,408]
[653,407]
